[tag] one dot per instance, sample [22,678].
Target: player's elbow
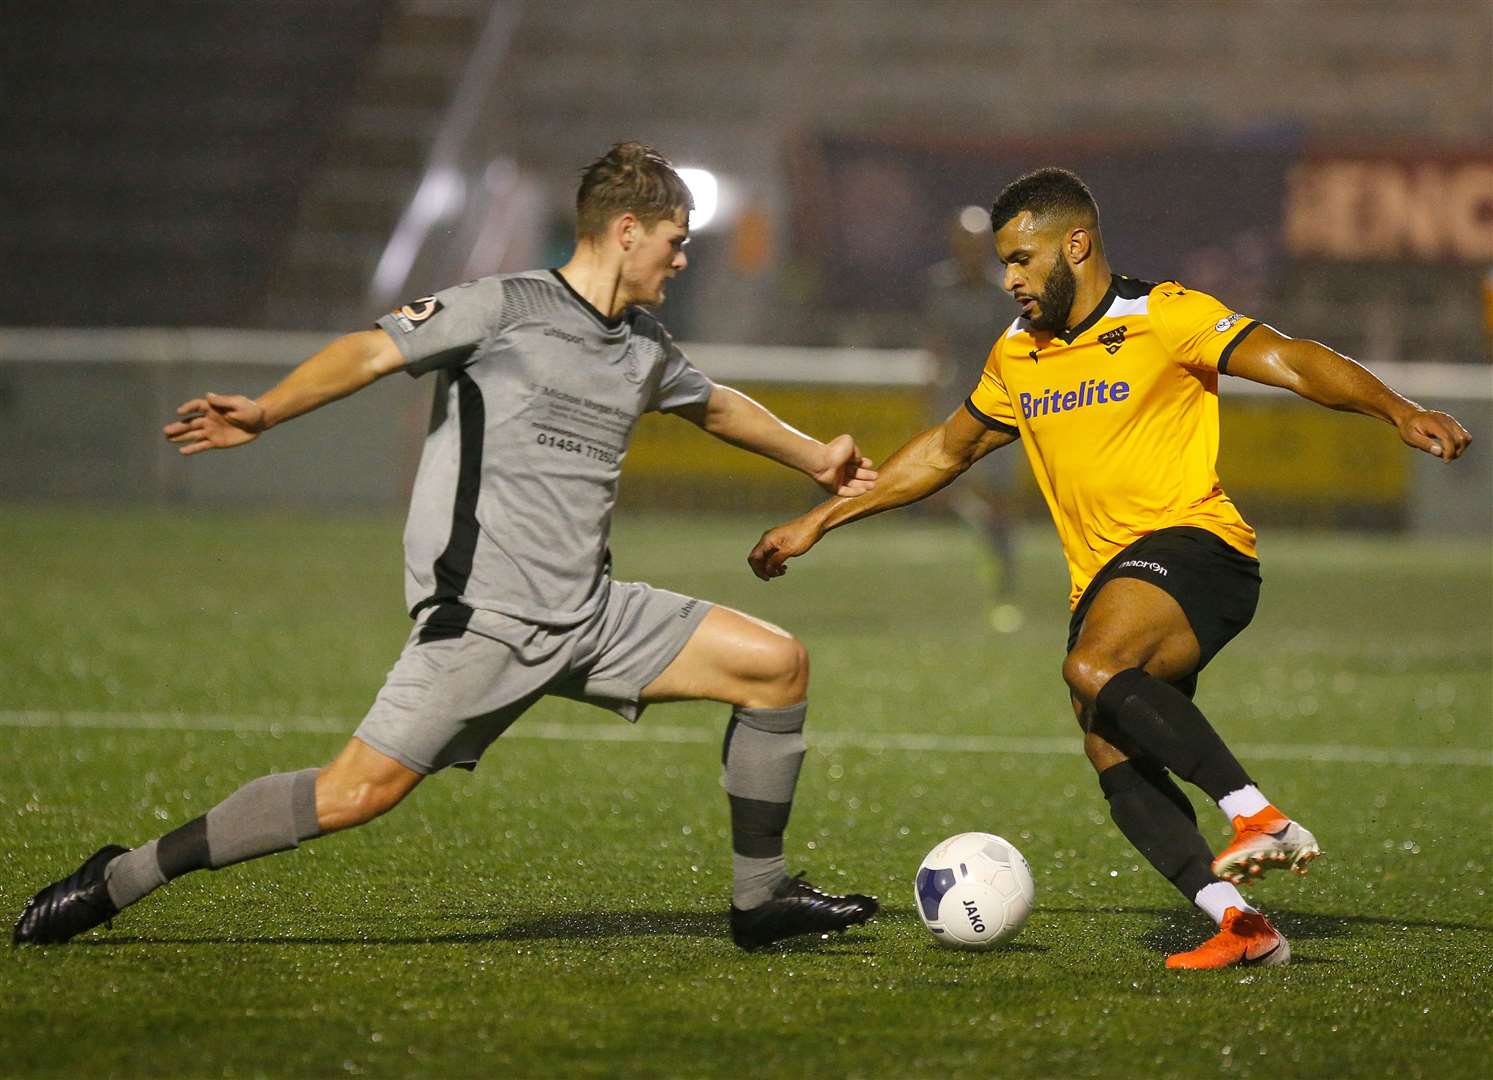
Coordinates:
[716,415]
[375,351]
[1303,360]
[950,461]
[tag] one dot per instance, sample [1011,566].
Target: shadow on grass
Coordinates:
[606,924]
[1179,927]
[576,926]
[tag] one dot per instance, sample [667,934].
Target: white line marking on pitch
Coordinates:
[663,733]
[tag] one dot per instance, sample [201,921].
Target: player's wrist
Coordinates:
[1402,413]
[819,462]
[834,512]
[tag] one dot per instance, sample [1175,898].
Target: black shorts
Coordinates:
[1216,586]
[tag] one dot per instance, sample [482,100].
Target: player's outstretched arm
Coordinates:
[220,421]
[927,462]
[1329,378]
[731,416]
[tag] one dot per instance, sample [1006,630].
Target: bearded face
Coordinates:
[1055,301]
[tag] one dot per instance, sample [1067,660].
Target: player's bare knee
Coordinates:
[1083,713]
[1086,672]
[1101,753]
[781,673]
[342,804]
[789,667]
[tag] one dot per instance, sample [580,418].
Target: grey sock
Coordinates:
[273,813]
[763,751]
[133,875]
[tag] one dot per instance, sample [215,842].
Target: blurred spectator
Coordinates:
[961,321]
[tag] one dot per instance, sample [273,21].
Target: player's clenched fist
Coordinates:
[844,471]
[779,545]
[1436,433]
[215,422]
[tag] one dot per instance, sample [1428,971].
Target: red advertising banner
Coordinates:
[1364,208]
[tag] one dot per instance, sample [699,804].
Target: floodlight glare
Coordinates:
[705,191]
[974,219]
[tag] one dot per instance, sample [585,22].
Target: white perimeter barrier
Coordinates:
[81,409]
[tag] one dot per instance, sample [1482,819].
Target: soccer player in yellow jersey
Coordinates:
[1111,384]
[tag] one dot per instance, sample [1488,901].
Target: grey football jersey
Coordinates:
[535,409]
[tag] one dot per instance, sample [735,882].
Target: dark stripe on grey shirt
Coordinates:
[454,567]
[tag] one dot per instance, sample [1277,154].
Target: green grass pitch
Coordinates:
[561,911]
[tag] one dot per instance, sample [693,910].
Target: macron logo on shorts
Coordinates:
[1143,564]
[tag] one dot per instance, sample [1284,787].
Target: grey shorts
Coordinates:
[449,696]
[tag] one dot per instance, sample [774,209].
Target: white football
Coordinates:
[974,891]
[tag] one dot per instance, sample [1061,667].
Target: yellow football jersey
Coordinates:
[1119,418]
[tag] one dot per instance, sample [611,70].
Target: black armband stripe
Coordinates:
[757,827]
[989,421]
[184,849]
[1228,350]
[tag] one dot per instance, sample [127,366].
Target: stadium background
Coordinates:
[197,194]
[272,166]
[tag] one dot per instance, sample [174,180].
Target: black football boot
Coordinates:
[68,907]
[796,908]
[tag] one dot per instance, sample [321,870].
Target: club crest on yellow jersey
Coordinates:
[1112,339]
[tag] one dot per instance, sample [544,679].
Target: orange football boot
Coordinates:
[1267,840]
[1245,938]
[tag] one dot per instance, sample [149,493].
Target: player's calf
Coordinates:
[271,814]
[1167,726]
[761,756]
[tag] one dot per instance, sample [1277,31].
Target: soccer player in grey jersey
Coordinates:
[542,377]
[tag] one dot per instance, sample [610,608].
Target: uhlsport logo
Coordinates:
[1089,392]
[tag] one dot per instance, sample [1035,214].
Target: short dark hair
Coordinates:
[1047,193]
[629,177]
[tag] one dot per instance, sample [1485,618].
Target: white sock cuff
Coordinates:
[1244,802]
[1217,898]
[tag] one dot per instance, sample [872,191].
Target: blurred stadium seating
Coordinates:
[249,165]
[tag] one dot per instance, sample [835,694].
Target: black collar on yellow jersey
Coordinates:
[1120,287]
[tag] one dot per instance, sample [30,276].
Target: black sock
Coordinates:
[1160,720]
[1157,776]
[1153,822]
